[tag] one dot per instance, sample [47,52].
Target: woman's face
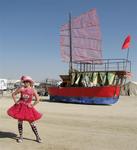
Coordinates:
[26,83]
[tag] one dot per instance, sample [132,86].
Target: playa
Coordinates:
[74,127]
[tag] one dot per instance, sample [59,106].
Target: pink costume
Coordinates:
[22,111]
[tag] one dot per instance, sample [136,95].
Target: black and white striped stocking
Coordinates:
[20,128]
[34,129]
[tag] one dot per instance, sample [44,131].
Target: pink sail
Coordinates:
[86,38]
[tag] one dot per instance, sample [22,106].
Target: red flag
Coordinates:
[126,42]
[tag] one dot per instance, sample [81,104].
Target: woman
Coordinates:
[23,109]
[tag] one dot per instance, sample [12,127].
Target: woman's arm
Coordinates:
[36,98]
[17,91]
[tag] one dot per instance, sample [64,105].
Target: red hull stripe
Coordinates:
[105,91]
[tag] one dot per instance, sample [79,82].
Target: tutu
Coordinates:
[22,111]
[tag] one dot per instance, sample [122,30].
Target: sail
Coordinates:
[85,37]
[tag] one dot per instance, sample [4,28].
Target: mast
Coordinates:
[70,40]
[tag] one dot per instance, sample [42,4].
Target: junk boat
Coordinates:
[90,79]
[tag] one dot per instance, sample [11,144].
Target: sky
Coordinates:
[30,34]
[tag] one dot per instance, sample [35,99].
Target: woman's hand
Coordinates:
[16,103]
[30,105]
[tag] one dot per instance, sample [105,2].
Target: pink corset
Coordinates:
[26,95]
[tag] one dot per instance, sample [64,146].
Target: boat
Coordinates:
[90,79]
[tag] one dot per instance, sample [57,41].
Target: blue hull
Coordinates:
[86,100]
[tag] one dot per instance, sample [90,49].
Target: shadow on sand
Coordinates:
[8,135]
[29,139]
[12,136]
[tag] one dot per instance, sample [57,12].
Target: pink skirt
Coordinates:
[22,112]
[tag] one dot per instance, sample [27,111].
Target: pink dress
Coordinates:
[22,111]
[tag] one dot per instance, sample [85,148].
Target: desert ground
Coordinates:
[74,126]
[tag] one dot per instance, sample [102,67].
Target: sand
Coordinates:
[74,126]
